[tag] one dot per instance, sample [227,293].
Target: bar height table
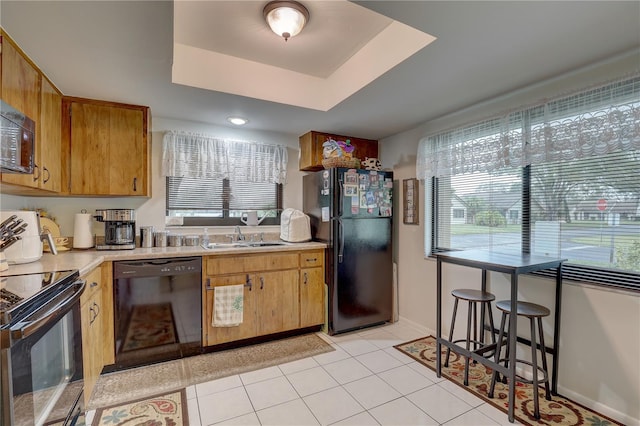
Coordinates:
[514,265]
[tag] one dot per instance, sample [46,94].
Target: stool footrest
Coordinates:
[484,347]
[545,376]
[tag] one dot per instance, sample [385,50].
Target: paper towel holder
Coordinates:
[82,230]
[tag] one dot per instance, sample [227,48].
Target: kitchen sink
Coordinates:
[244,244]
[265,243]
[212,246]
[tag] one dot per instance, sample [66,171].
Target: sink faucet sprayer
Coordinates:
[239,232]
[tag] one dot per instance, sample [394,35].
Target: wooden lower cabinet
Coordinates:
[311,297]
[92,328]
[216,335]
[274,294]
[277,307]
[312,304]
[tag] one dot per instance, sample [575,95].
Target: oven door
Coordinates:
[45,362]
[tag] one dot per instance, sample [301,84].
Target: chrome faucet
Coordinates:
[239,232]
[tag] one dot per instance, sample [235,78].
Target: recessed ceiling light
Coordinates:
[238,121]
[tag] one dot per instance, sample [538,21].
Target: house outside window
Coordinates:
[581,205]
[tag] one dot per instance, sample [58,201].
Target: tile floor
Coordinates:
[365,381]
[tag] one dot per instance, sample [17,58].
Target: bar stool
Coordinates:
[533,312]
[473,297]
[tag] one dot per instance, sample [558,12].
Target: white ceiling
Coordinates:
[123,51]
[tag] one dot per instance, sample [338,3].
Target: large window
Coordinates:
[212,181]
[579,200]
[202,201]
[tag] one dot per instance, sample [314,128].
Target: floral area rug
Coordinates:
[558,411]
[149,326]
[169,409]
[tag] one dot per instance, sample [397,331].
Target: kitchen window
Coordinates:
[210,202]
[557,179]
[211,181]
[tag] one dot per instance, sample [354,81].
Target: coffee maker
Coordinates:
[119,229]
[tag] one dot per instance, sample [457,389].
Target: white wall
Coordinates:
[600,328]
[151,211]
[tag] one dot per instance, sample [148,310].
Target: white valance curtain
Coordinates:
[201,156]
[594,122]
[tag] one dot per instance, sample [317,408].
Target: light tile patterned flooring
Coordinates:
[365,381]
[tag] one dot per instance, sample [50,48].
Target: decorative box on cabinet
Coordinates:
[311,149]
[106,147]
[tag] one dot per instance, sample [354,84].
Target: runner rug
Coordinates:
[129,385]
[149,326]
[169,409]
[558,411]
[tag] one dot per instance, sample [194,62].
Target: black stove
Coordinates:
[21,293]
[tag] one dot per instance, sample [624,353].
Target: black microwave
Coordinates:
[17,140]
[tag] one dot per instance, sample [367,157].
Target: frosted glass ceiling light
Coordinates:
[286,18]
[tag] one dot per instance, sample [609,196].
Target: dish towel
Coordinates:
[228,305]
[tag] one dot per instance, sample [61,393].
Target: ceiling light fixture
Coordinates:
[238,121]
[286,18]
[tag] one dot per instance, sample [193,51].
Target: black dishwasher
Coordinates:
[157,310]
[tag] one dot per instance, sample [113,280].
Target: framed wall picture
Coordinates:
[410,196]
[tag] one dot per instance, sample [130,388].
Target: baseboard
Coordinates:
[427,331]
[599,407]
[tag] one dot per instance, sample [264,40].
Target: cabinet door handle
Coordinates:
[312,260]
[248,283]
[36,176]
[261,283]
[93,284]
[305,277]
[97,308]
[135,184]
[94,310]
[48,174]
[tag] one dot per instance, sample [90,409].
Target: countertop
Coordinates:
[86,260]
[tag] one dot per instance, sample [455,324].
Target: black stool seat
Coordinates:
[535,313]
[524,309]
[472,297]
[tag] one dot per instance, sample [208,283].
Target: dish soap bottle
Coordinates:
[205,238]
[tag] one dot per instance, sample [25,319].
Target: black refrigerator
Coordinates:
[351,211]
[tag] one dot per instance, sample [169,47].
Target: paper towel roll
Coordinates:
[82,227]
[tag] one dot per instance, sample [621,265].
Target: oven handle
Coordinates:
[26,329]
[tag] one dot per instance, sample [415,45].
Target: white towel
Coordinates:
[228,305]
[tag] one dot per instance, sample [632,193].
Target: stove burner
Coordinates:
[8,299]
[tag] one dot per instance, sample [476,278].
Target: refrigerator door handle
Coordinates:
[341,241]
[339,197]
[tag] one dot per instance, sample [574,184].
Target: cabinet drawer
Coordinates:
[311,258]
[219,265]
[94,281]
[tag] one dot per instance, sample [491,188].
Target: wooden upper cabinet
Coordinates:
[49,139]
[107,147]
[26,89]
[311,149]
[20,80]
[21,90]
